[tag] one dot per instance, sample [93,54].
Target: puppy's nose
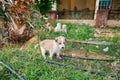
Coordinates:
[62,47]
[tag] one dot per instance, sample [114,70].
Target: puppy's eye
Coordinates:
[59,43]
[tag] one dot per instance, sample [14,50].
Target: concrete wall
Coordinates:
[115,4]
[64,4]
[110,23]
[80,4]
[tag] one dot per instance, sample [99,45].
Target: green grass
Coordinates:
[30,66]
[28,63]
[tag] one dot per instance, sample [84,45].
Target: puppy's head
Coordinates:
[60,41]
[64,26]
[59,24]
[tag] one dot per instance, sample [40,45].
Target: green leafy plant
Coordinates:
[3,11]
[44,5]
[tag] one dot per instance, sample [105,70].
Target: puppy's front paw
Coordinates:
[58,56]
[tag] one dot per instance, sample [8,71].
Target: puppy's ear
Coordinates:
[56,39]
[65,40]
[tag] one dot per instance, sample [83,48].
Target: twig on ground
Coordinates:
[92,42]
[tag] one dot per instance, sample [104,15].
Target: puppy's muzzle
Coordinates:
[63,47]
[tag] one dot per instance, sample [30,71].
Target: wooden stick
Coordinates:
[91,42]
[30,24]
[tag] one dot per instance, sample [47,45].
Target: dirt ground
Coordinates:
[81,53]
[107,32]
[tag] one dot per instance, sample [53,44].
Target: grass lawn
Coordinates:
[29,63]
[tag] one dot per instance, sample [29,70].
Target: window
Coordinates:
[104,4]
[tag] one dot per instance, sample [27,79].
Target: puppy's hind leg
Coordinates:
[43,51]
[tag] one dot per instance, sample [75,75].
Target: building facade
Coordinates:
[99,10]
[87,9]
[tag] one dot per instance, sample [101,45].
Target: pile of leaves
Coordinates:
[16,27]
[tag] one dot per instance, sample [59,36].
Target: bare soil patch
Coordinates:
[81,53]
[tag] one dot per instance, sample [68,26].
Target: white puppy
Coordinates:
[52,46]
[64,29]
[58,27]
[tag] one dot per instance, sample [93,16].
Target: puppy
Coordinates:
[58,27]
[64,29]
[52,46]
